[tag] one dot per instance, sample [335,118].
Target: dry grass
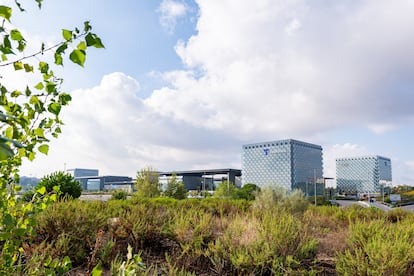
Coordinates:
[208,237]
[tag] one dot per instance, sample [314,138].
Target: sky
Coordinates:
[183,84]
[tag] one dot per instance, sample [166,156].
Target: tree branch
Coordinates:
[40,52]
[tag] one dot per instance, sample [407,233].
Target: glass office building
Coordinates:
[363,175]
[288,163]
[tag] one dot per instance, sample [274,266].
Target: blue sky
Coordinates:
[184,84]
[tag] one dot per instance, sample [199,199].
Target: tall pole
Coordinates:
[204,185]
[314,182]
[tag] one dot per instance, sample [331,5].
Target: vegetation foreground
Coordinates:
[217,237]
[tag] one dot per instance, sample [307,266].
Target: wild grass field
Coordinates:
[219,237]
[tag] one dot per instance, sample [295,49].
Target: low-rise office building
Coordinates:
[202,180]
[91,180]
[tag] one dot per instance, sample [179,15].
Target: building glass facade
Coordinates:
[363,175]
[288,163]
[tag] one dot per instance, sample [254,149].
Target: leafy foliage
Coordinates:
[248,191]
[119,195]
[147,184]
[226,189]
[378,248]
[68,186]
[29,118]
[175,189]
[276,197]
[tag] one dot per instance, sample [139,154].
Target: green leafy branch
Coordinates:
[28,119]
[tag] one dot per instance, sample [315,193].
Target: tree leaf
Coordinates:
[5,151]
[39,3]
[78,56]
[54,108]
[41,190]
[64,98]
[43,67]
[39,132]
[58,59]
[67,35]
[50,87]
[39,86]
[28,67]
[15,94]
[61,49]
[21,46]
[93,40]
[18,65]
[44,149]
[27,91]
[16,35]
[5,12]
[9,132]
[87,27]
[82,46]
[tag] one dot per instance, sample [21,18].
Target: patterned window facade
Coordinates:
[287,163]
[362,174]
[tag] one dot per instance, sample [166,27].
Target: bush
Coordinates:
[147,184]
[68,186]
[274,244]
[248,191]
[226,189]
[119,195]
[175,189]
[28,196]
[277,197]
[378,248]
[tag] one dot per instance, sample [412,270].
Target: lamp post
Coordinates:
[314,182]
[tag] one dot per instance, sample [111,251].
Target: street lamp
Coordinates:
[314,182]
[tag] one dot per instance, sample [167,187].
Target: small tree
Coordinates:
[147,184]
[119,195]
[175,189]
[248,191]
[68,186]
[226,189]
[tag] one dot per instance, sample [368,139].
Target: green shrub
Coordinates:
[78,221]
[248,191]
[68,186]
[28,196]
[275,197]
[226,189]
[147,184]
[398,214]
[274,243]
[378,248]
[175,189]
[119,195]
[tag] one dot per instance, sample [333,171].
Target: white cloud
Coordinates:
[294,67]
[109,127]
[170,11]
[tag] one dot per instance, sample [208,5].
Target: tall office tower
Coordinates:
[288,163]
[366,174]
